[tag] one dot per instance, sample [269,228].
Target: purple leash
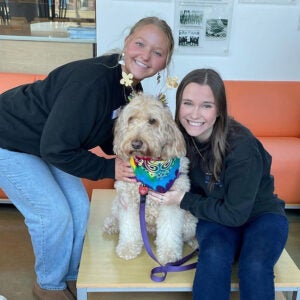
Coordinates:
[169,267]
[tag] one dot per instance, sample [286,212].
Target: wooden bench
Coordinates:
[102,271]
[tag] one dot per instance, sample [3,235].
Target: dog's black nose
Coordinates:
[137,144]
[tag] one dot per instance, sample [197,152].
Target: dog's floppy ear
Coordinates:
[118,132]
[175,142]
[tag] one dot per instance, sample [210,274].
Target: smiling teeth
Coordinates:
[141,64]
[196,123]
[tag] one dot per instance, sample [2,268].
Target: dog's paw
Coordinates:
[129,250]
[193,243]
[168,255]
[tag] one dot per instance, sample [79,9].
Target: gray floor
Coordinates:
[16,258]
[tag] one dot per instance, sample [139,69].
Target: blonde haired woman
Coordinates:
[47,129]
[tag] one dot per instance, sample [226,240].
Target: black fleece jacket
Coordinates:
[63,116]
[245,189]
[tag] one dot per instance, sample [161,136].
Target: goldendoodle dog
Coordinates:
[146,134]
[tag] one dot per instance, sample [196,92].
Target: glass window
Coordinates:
[71,19]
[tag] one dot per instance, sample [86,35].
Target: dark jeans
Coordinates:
[256,245]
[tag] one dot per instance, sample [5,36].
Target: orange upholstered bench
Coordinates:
[271,110]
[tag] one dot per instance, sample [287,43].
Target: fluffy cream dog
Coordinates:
[146,128]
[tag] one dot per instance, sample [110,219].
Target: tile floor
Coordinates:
[16,260]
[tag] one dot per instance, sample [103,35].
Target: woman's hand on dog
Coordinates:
[169,198]
[124,171]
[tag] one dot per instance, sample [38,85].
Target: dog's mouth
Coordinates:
[140,153]
[139,148]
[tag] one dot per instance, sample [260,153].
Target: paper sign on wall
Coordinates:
[203,27]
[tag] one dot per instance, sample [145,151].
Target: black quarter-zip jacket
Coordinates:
[245,189]
[63,116]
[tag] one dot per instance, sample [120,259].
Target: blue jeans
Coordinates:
[256,245]
[55,206]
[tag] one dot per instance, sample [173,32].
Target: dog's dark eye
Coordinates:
[152,121]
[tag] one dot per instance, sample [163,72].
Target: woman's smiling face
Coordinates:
[146,52]
[198,111]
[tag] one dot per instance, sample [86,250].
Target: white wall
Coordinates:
[264,38]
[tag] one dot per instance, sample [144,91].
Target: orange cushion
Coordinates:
[268,108]
[285,166]
[10,80]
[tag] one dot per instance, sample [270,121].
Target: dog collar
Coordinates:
[156,174]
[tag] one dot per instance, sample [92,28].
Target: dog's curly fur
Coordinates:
[146,128]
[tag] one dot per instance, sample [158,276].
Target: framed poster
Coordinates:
[203,27]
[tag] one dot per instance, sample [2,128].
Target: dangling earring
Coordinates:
[121,60]
[158,78]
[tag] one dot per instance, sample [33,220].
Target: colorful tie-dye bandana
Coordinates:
[158,175]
